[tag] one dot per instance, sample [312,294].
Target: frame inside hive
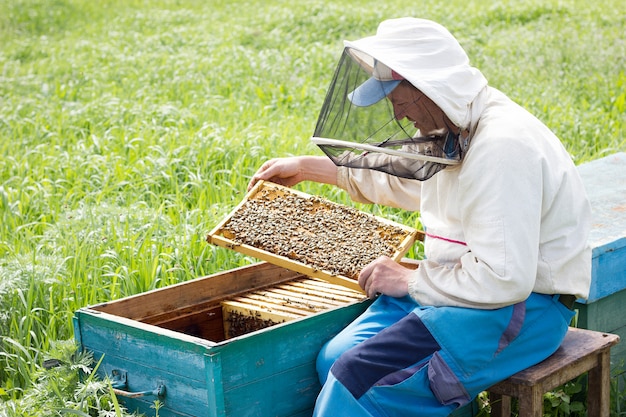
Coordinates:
[309,234]
[284,302]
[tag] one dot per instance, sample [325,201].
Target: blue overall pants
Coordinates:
[402,359]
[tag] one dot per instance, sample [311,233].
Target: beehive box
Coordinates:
[605,183]
[173,341]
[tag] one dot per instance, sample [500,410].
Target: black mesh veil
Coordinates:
[371,137]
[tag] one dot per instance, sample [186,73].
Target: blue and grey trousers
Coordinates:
[402,359]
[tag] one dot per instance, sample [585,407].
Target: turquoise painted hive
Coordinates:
[170,344]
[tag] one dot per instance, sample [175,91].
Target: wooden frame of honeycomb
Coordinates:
[309,234]
[281,303]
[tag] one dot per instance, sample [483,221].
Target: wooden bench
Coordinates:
[581,351]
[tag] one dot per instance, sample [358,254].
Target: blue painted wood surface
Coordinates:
[605,182]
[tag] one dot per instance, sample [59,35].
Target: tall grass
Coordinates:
[128,129]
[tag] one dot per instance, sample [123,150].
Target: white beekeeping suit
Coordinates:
[506,221]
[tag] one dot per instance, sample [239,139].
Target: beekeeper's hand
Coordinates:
[292,170]
[384,276]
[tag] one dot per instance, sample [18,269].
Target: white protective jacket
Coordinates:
[513,217]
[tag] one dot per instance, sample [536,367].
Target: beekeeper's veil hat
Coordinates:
[355,118]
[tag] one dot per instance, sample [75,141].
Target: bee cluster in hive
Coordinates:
[240,324]
[308,229]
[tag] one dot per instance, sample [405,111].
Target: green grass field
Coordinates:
[129,128]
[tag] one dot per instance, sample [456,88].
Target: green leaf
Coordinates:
[116,404]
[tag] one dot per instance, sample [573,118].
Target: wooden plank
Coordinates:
[160,304]
[261,310]
[531,402]
[301,304]
[314,300]
[500,405]
[314,297]
[598,395]
[331,288]
[326,286]
[268,305]
[300,287]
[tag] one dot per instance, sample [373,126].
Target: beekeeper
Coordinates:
[409,123]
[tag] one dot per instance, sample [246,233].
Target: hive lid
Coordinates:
[605,183]
[309,234]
